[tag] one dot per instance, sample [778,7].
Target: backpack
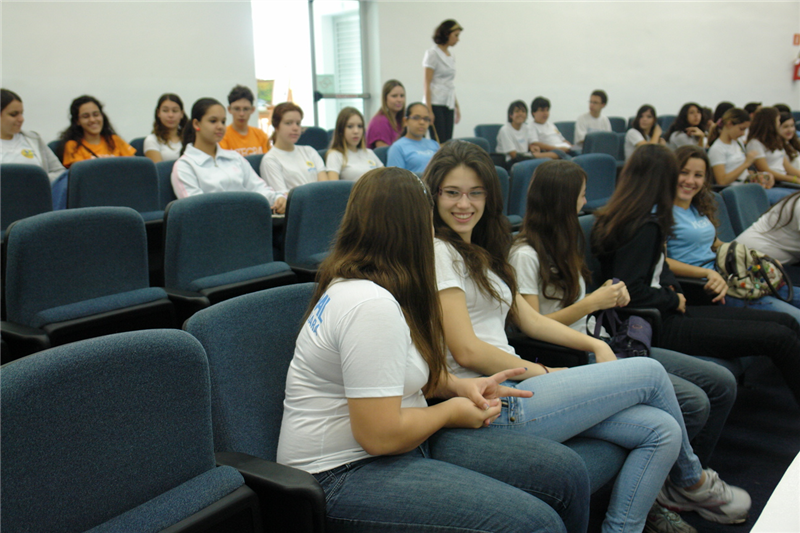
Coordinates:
[751,274]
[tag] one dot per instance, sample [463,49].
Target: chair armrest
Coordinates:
[186,303]
[22,340]
[693,290]
[651,314]
[305,273]
[546,353]
[498,159]
[291,500]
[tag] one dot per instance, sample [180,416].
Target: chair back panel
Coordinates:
[488,132]
[255,162]
[63,257]
[382,153]
[480,141]
[725,229]
[215,233]
[315,137]
[617,124]
[502,174]
[601,142]
[94,428]
[745,203]
[166,193]
[250,341]
[521,174]
[24,192]
[138,144]
[567,129]
[601,170]
[114,181]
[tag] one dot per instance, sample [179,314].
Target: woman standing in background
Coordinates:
[440,71]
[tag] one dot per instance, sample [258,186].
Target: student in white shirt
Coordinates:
[512,139]
[204,167]
[644,130]
[791,143]
[288,165]
[348,157]
[164,143]
[777,232]
[24,147]
[687,129]
[765,139]
[594,120]
[727,155]
[440,73]
[545,135]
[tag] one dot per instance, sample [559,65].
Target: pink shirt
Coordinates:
[380,129]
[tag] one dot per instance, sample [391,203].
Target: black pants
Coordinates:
[443,120]
[728,333]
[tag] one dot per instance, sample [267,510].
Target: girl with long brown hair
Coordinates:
[625,402]
[387,124]
[764,139]
[369,352]
[348,158]
[164,142]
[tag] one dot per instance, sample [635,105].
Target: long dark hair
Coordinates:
[681,122]
[6,97]
[649,179]
[160,130]
[551,228]
[75,131]
[642,110]
[395,119]
[491,237]
[703,201]
[339,142]
[763,129]
[792,146]
[199,110]
[790,202]
[385,237]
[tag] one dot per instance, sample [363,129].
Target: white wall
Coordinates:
[662,53]
[125,54]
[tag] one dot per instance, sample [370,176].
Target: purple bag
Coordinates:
[631,337]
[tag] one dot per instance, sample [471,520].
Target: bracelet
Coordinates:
[546,371]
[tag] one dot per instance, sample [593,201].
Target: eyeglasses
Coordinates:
[475,195]
[423,119]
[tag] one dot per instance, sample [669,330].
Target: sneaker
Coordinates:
[662,520]
[715,500]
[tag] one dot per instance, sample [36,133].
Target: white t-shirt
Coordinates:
[681,138]
[284,170]
[168,151]
[731,155]
[488,316]
[774,158]
[525,261]
[355,344]
[358,163]
[632,138]
[511,140]
[19,151]
[546,133]
[443,88]
[586,123]
[783,243]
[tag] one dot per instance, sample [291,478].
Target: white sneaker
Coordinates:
[715,500]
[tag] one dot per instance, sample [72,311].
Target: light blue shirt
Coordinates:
[411,155]
[693,236]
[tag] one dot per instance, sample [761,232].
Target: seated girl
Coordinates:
[164,143]
[288,165]
[348,157]
[25,147]
[726,155]
[387,124]
[643,130]
[688,128]
[412,151]
[792,144]
[777,232]
[691,251]
[204,167]
[90,134]
[513,139]
[369,352]
[629,237]
[764,139]
[613,401]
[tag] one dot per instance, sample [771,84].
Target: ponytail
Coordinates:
[199,110]
[733,116]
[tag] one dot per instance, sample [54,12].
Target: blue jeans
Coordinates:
[630,403]
[770,303]
[705,391]
[461,480]
[776,194]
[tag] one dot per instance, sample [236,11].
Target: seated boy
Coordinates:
[239,136]
[512,139]
[594,120]
[545,135]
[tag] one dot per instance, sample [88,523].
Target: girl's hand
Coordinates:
[694,131]
[716,285]
[457,118]
[625,297]
[465,414]
[482,390]
[608,295]
[750,157]
[681,303]
[279,206]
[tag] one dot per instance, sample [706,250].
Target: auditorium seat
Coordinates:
[315,137]
[25,192]
[567,129]
[488,132]
[521,174]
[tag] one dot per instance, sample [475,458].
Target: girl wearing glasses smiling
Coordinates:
[413,151]
[630,403]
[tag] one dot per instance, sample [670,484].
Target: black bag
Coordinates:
[631,337]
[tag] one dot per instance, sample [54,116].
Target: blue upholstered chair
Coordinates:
[521,174]
[218,246]
[725,229]
[617,124]
[745,203]
[138,143]
[313,214]
[601,142]
[567,129]
[57,147]
[505,183]
[315,137]
[250,342]
[25,192]
[665,121]
[166,193]
[480,141]
[255,162]
[488,132]
[114,434]
[78,273]
[382,152]
[601,170]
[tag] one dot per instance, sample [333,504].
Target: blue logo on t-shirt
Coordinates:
[315,320]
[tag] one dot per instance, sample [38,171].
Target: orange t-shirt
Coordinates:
[74,152]
[255,142]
